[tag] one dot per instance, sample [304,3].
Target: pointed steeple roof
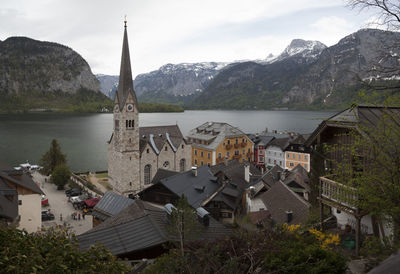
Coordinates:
[125,85]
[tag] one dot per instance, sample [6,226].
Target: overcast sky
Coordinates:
[176,31]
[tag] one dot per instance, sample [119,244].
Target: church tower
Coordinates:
[123,147]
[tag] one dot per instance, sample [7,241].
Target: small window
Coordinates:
[166,164]
[166,148]
[219,155]
[147,150]
[236,152]
[244,151]
[20,202]
[280,163]
[291,164]
[305,157]
[201,154]
[147,174]
[288,155]
[243,140]
[237,141]
[182,146]
[248,150]
[202,163]
[195,162]
[182,164]
[299,157]
[195,152]
[229,142]
[338,211]
[209,155]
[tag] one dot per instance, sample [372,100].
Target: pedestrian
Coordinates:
[61,217]
[83,215]
[79,216]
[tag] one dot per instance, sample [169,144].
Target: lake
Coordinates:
[83,137]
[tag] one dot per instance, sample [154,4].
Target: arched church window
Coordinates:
[182,164]
[147,174]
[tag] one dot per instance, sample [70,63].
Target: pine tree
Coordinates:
[52,158]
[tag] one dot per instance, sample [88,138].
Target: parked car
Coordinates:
[45,201]
[73,192]
[47,216]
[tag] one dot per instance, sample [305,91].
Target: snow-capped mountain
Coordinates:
[192,78]
[302,48]
[178,79]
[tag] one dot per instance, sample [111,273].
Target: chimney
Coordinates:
[226,161]
[289,215]
[278,175]
[252,191]
[194,171]
[247,173]
[203,216]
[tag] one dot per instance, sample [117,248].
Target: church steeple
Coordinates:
[125,85]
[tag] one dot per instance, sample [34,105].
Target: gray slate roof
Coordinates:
[162,174]
[260,139]
[280,199]
[110,204]
[19,178]
[160,134]
[214,131]
[233,190]
[298,175]
[267,180]
[186,183]
[234,170]
[141,225]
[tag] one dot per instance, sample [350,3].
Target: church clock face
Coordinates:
[129,107]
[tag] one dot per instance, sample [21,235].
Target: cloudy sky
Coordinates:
[176,31]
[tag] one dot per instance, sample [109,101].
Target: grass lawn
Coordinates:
[101,175]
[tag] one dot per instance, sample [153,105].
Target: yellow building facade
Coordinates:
[213,142]
[292,159]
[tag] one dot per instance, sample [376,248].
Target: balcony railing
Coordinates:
[337,192]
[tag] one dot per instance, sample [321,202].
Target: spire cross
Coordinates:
[125,21]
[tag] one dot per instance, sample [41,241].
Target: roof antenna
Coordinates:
[125,21]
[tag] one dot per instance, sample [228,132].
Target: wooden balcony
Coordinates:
[236,156]
[337,194]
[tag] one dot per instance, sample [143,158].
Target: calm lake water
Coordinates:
[83,137]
